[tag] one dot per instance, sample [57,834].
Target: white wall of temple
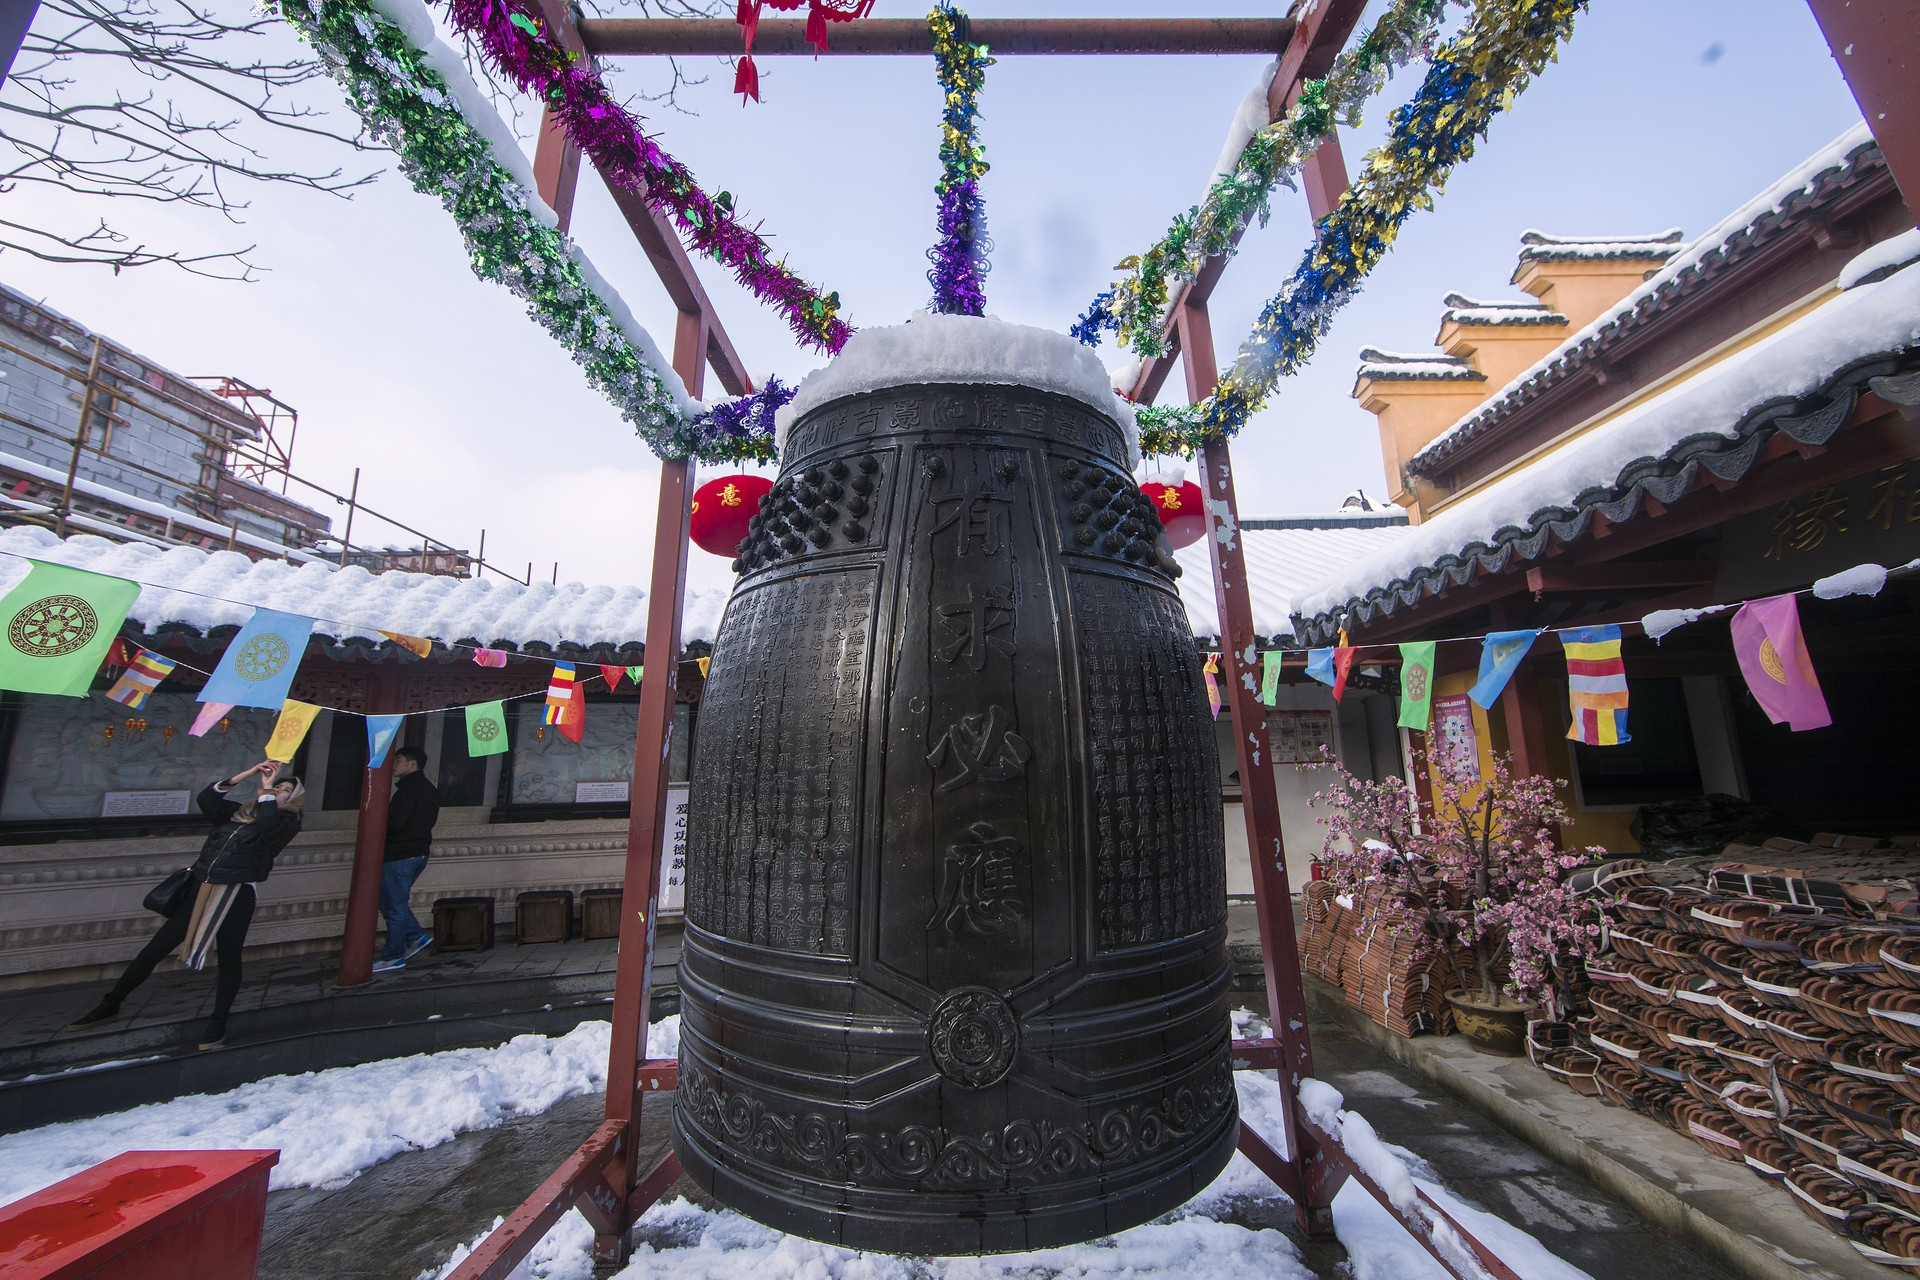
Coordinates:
[70,912]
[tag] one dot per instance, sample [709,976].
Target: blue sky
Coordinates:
[464,415]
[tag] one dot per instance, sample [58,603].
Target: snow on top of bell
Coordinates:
[941,348]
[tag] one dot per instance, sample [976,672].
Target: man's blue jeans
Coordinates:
[396,883]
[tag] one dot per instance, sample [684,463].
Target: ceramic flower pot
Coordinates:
[1499,1028]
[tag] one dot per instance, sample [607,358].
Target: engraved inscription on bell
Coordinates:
[955,975]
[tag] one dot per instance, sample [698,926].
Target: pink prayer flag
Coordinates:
[210,713]
[490,657]
[1773,657]
[612,675]
[1213,683]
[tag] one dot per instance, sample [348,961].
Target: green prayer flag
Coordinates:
[486,729]
[1416,684]
[1270,676]
[59,624]
[634,673]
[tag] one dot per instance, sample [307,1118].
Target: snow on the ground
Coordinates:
[1191,1243]
[967,349]
[331,1125]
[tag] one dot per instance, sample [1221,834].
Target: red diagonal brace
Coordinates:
[580,1181]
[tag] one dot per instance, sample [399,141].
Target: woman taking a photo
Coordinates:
[214,902]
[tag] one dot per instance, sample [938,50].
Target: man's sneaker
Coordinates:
[105,1011]
[388,966]
[418,945]
[215,1033]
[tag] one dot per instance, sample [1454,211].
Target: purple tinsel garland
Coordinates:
[959,258]
[749,417]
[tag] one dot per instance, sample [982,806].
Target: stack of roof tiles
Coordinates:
[1373,951]
[1778,1028]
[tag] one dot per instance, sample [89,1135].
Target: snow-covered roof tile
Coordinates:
[1712,421]
[1852,150]
[1427,366]
[203,590]
[1281,564]
[1540,246]
[1464,310]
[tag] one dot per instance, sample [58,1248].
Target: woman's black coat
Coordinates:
[242,852]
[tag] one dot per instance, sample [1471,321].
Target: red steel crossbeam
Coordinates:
[720,37]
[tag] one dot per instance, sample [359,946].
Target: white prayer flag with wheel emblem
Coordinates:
[258,667]
[59,624]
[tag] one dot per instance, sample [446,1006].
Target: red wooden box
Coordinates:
[143,1215]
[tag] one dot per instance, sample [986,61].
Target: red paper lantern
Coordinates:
[1178,501]
[721,509]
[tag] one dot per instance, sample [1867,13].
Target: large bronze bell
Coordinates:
[955,975]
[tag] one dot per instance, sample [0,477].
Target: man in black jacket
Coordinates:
[410,818]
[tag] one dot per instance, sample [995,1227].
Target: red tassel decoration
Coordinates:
[746,79]
[817,28]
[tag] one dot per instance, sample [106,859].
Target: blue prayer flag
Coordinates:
[1320,666]
[1500,657]
[381,731]
[259,663]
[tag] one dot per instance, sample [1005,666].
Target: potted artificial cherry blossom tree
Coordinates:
[1497,848]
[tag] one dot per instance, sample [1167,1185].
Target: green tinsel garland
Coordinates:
[1137,303]
[1476,76]
[408,106]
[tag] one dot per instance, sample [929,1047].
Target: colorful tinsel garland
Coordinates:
[960,258]
[1472,79]
[749,418]
[408,106]
[514,37]
[1136,304]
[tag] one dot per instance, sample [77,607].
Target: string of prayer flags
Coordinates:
[486,729]
[559,693]
[1270,664]
[415,645]
[1416,684]
[58,627]
[211,713]
[381,732]
[258,667]
[612,676]
[1774,659]
[490,657]
[290,730]
[1596,686]
[144,673]
[1500,656]
[1212,672]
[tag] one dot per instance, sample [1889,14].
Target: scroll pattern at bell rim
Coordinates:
[929,1158]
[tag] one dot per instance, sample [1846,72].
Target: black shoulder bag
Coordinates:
[167,896]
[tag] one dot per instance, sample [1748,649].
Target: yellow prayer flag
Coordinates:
[290,730]
[703,664]
[412,644]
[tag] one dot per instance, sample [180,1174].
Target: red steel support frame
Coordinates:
[370,841]
[602,1178]
[1877,44]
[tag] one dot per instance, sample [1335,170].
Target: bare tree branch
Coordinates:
[157,101]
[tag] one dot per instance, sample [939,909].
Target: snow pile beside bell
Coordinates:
[968,349]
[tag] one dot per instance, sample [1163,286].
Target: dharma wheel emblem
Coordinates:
[973,1037]
[486,729]
[53,626]
[261,658]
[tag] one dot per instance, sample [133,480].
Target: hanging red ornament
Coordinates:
[1180,505]
[721,510]
[746,77]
